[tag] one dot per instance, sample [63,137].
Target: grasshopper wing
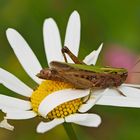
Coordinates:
[76,78]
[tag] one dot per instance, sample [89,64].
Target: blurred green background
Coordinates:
[116,23]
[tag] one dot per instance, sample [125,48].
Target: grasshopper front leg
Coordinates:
[65,50]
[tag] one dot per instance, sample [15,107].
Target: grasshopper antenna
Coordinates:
[137,62]
[65,50]
[136,72]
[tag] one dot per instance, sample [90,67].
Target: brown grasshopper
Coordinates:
[83,76]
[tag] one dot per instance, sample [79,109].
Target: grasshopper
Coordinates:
[83,76]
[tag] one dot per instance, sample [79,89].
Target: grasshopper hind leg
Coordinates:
[65,51]
[120,92]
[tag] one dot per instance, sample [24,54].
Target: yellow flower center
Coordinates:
[47,87]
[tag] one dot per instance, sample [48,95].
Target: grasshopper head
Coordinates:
[46,73]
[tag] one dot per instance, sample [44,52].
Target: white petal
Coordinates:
[59,97]
[93,56]
[6,125]
[46,126]
[7,109]
[20,115]
[113,98]
[6,101]
[24,54]
[92,100]
[72,38]
[130,91]
[75,117]
[131,85]
[90,120]
[14,84]
[52,41]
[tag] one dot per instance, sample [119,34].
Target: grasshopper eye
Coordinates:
[46,73]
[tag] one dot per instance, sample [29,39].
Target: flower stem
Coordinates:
[70,132]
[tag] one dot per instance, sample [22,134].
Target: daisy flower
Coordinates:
[57,102]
